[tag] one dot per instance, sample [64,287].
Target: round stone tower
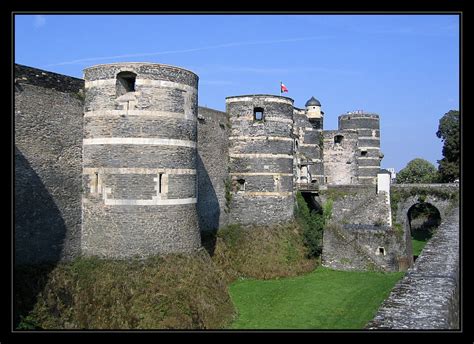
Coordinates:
[368,155]
[139,160]
[261,159]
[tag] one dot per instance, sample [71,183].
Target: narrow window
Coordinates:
[338,139]
[241,184]
[95,183]
[125,83]
[258,114]
[382,251]
[363,153]
[160,183]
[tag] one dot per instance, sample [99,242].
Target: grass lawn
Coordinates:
[323,299]
[419,240]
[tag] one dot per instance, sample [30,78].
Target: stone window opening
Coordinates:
[338,139]
[125,83]
[258,114]
[363,153]
[241,184]
[160,183]
[381,251]
[95,183]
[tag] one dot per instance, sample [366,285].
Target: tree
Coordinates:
[418,171]
[448,132]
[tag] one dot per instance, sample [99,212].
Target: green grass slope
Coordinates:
[323,299]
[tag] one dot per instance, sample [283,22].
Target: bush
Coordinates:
[313,223]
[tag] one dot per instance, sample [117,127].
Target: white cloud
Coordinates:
[39,21]
[219,46]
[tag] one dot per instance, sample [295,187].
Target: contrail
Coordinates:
[225,45]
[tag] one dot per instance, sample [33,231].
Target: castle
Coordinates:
[140,151]
[125,164]
[157,169]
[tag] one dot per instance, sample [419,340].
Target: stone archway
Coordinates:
[423,219]
[402,216]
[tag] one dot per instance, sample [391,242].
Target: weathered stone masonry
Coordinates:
[48,146]
[139,161]
[155,173]
[352,153]
[261,159]
[358,236]
[428,296]
[212,168]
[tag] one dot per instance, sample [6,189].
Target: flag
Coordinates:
[283,88]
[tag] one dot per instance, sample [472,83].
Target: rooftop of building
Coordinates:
[312,102]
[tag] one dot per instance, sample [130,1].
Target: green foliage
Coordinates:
[28,323]
[231,234]
[448,132]
[402,194]
[422,198]
[424,209]
[419,239]
[80,95]
[313,224]
[346,261]
[336,194]
[417,171]
[398,195]
[322,299]
[398,228]
[379,222]
[291,251]
[228,194]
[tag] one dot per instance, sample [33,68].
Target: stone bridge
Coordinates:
[444,197]
[428,295]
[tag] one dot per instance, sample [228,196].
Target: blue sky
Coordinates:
[403,67]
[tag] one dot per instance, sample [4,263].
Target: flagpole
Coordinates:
[280,87]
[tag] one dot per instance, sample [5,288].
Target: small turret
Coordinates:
[314,113]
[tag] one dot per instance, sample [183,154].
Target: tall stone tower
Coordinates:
[367,154]
[261,159]
[139,160]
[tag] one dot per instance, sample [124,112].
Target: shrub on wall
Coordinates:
[313,223]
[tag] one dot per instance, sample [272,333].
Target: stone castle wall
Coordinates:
[48,147]
[340,163]
[212,168]
[359,236]
[427,298]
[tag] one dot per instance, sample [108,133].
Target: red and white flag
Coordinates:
[283,88]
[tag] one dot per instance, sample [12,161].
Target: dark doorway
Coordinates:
[423,219]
